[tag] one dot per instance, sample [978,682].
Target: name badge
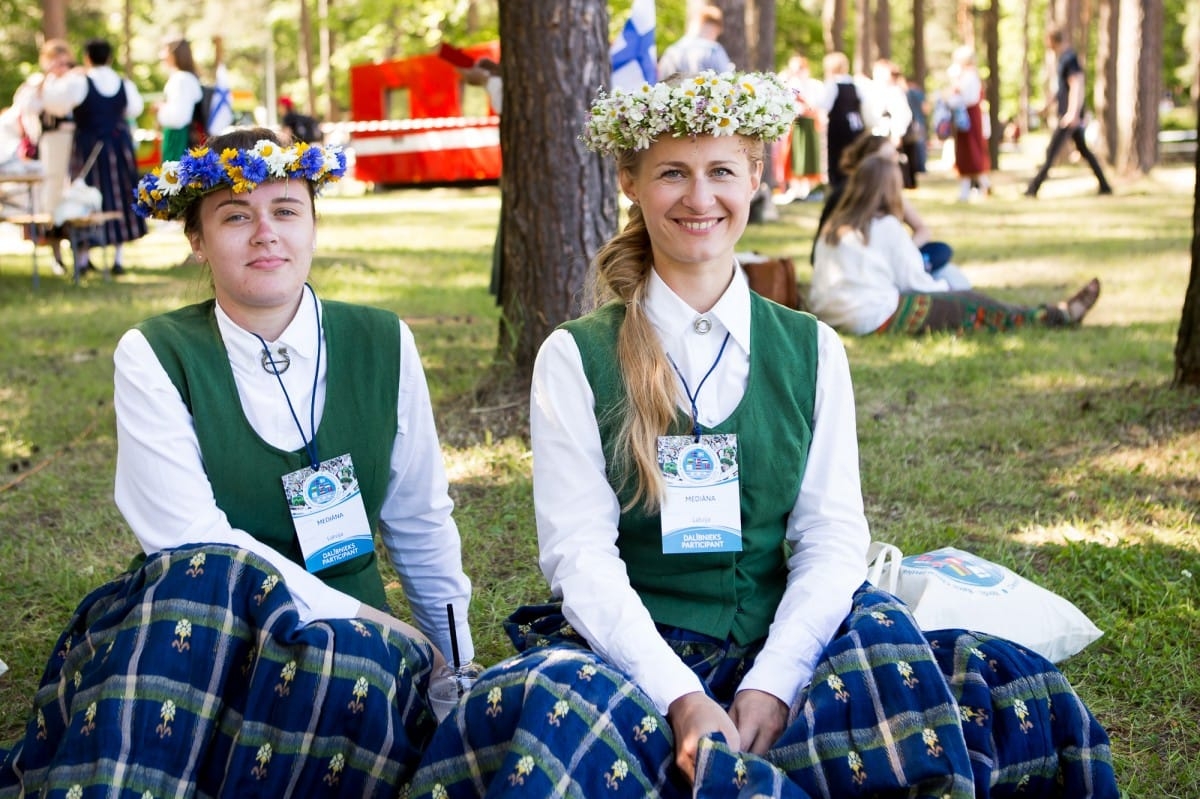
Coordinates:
[328,513]
[702,509]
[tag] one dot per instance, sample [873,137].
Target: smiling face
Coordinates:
[695,196]
[259,246]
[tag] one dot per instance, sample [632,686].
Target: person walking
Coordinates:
[1070,97]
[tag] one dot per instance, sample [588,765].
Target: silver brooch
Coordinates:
[272,365]
[702,325]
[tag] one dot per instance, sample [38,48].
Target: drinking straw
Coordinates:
[454,646]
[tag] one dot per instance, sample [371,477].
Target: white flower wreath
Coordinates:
[706,104]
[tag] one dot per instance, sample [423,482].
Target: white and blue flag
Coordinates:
[633,54]
[220,109]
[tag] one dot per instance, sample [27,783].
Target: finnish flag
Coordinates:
[633,54]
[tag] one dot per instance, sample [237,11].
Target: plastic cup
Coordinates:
[448,686]
[443,694]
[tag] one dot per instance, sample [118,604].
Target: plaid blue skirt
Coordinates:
[890,712]
[192,676]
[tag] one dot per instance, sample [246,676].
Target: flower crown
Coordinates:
[166,192]
[705,104]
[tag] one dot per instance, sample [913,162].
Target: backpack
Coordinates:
[198,130]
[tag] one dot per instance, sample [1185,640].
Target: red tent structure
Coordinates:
[416,121]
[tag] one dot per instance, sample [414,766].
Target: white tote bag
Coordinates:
[952,588]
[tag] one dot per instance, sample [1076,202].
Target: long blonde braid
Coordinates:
[622,269]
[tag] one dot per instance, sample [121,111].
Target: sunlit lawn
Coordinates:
[1063,455]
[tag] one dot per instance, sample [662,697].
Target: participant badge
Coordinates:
[702,509]
[328,513]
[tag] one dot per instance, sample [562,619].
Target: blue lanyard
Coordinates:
[310,444]
[692,397]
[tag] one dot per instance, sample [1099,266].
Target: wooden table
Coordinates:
[27,213]
[76,229]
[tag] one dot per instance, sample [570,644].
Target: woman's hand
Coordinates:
[693,716]
[760,718]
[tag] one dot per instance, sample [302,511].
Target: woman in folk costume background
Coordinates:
[701,528]
[102,103]
[869,276]
[181,92]
[53,136]
[263,452]
[972,160]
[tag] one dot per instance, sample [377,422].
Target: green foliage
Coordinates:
[383,29]
[1179,118]
[798,30]
[19,48]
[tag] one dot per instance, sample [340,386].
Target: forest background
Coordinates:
[307,46]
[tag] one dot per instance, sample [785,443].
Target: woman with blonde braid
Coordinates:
[700,522]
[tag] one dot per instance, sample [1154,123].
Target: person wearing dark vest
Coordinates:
[1070,98]
[266,440]
[101,103]
[843,107]
[700,520]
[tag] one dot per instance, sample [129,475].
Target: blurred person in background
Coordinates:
[102,103]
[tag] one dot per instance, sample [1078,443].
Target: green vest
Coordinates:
[363,377]
[726,593]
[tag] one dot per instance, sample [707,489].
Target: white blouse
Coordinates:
[164,493]
[856,284]
[61,94]
[577,511]
[180,95]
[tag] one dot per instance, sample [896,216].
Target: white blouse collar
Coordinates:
[300,336]
[675,319]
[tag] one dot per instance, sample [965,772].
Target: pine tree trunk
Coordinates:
[833,18]
[991,39]
[559,200]
[733,33]
[883,29]
[1187,345]
[1139,85]
[54,19]
[865,54]
[920,67]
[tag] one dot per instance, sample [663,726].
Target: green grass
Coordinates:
[1063,455]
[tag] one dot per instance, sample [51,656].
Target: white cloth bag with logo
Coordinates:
[952,588]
